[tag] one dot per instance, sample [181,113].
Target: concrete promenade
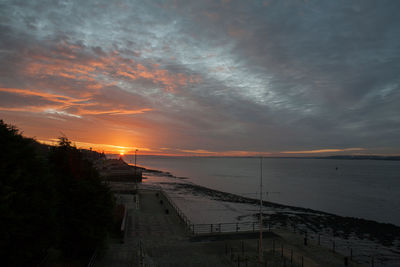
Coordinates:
[161,237]
[156,238]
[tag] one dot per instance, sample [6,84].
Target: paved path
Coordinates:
[162,238]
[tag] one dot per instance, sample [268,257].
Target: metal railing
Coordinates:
[215,228]
[360,253]
[180,213]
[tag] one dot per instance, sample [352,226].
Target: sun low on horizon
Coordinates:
[204,78]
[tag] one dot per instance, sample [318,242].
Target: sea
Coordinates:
[368,189]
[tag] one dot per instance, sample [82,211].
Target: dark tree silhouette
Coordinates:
[49,197]
[84,210]
[27,200]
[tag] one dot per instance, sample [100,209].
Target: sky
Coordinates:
[204,77]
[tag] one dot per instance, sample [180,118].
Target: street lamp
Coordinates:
[260,248]
[135,161]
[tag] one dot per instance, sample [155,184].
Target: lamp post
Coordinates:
[135,161]
[260,252]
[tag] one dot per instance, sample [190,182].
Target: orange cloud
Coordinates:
[113,112]
[107,148]
[323,151]
[197,151]
[62,105]
[52,97]
[112,66]
[237,32]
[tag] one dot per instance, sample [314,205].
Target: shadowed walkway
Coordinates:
[157,238]
[161,237]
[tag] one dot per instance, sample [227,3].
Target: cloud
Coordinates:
[65,62]
[216,76]
[107,148]
[319,151]
[36,101]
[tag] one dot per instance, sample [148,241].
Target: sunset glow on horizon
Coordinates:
[204,78]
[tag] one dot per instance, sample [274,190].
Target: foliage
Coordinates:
[26,199]
[85,205]
[56,200]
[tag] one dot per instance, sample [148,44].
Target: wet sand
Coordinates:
[367,238]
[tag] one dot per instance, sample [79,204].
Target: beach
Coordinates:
[364,240]
[155,235]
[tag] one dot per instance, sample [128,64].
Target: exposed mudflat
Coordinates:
[366,238]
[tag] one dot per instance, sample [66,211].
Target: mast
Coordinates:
[260,249]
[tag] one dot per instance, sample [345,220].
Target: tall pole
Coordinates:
[135,162]
[260,252]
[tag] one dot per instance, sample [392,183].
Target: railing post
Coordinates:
[305,238]
[273,246]
[291,256]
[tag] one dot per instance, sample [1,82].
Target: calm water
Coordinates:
[367,189]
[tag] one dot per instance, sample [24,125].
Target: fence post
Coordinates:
[253,226]
[211,228]
[305,238]
[291,256]
[273,246]
[258,245]
[219,227]
[237,227]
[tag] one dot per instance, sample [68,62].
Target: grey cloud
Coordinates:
[286,75]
